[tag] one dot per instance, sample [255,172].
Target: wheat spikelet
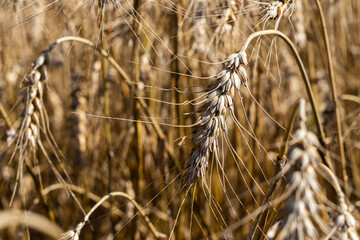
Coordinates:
[344,226]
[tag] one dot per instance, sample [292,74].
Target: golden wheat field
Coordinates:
[187,119]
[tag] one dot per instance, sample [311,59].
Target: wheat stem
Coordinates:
[14,217]
[304,76]
[352,98]
[334,97]
[136,106]
[261,217]
[106,97]
[74,234]
[42,196]
[6,117]
[79,190]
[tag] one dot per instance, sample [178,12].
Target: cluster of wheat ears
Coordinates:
[129,125]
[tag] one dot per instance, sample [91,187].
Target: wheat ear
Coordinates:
[218,99]
[299,217]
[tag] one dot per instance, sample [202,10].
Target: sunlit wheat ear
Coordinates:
[218,99]
[299,217]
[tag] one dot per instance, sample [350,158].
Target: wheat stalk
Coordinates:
[334,96]
[13,217]
[74,234]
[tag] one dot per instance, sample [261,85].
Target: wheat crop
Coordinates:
[182,119]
